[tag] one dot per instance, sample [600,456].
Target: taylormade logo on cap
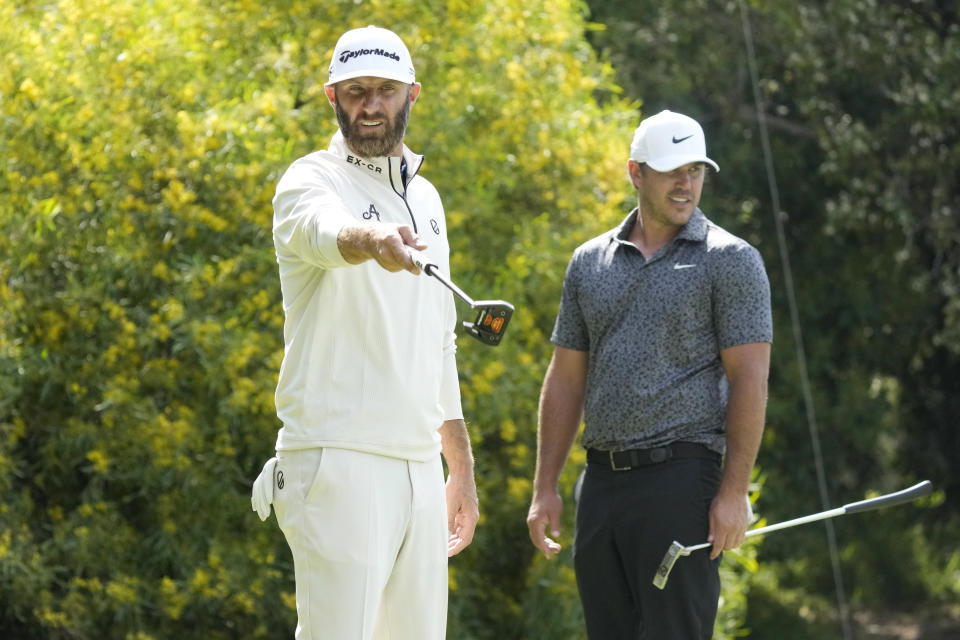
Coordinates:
[669,140]
[346,55]
[371,51]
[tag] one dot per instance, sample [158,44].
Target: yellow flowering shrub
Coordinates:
[140,317]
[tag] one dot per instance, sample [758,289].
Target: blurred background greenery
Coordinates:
[140,324]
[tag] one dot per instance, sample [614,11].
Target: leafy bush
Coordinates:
[140,325]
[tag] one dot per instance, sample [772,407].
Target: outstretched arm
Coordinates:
[385,243]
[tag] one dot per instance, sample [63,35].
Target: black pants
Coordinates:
[626,521]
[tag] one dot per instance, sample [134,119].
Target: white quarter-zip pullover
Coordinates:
[369,356]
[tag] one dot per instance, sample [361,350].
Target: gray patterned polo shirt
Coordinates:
[654,330]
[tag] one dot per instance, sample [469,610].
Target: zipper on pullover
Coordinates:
[403,196]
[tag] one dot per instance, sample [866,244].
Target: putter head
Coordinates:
[666,565]
[491,323]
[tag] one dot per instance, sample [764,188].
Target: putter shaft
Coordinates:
[420,259]
[759,531]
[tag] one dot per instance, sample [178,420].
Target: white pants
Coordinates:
[368,535]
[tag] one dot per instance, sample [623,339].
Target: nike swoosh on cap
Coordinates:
[679,140]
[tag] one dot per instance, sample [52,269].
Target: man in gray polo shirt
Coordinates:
[662,346]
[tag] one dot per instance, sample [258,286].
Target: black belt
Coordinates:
[626,459]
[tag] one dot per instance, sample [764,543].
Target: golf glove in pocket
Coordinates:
[262,496]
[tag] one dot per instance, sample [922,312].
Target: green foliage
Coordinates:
[140,325]
[139,305]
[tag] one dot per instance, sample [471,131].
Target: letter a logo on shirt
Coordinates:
[371,213]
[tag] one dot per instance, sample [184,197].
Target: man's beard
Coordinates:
[372,146]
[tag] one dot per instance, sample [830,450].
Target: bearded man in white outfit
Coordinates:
[368,393]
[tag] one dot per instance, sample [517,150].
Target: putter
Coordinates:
[493,315]
[678,550]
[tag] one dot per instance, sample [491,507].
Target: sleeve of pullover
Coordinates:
[450,382]
[308,214]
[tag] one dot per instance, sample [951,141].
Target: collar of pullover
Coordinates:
[383,168]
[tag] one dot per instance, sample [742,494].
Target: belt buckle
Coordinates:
[613,464]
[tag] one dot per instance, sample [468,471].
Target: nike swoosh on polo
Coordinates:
[683,266]
[679,140]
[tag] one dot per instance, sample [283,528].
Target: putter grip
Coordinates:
[421,260]
[907,495]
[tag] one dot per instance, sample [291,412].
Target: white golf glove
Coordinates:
[262,496]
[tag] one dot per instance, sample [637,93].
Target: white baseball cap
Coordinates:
[669,140]
[371,51]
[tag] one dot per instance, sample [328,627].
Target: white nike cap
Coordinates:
[669,140]
[371,51]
